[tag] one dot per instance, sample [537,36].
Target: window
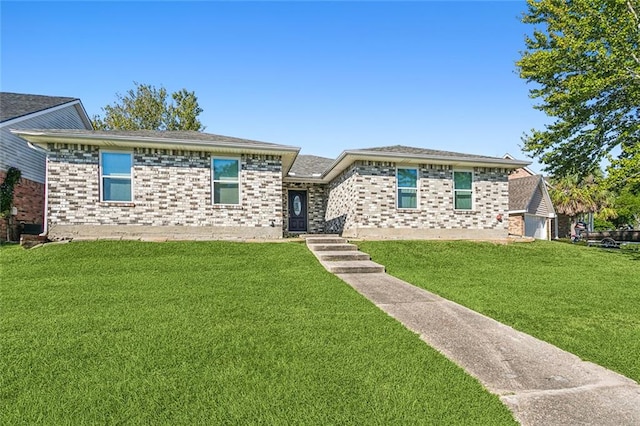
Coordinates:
[407,182]
[226,180]
[115,168]
[462,190]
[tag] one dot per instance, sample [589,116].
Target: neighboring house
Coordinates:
[190,185]
[20,111]
[531,212]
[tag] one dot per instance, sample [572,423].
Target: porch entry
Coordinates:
[297,211]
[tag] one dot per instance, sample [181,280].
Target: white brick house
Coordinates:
[189,185]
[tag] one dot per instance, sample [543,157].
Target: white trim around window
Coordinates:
[407,188]
[463,190]
[116,176]
[225,181]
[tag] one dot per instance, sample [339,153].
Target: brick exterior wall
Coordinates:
[342,200]
[516,225]
[28,199]
[519,173]
[363,203]
[316,205]
[171,197]
[172,200]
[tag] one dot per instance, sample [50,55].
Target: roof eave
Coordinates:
[42,139]
[303,179]
[348,157]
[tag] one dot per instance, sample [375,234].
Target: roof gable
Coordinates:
[521,191]
[529,195]
[15,105]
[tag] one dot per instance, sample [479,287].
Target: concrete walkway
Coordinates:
[540,383]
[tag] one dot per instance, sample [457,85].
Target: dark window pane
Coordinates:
[407,199]
[407,178]
[226,193]
[116,189]
[463,200]
[116,164]
[225,169]
[462,180]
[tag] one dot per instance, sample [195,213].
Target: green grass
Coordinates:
[585,300]
[211,333]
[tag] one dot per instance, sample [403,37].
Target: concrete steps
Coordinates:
[332,247]
[340,257]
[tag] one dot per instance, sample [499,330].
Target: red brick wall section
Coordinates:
[516,225]
[519,173]
[28,198]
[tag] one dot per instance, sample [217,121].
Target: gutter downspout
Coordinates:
[45,224]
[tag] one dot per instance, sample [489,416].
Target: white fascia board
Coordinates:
[45,111]
[42,138]
[84,116]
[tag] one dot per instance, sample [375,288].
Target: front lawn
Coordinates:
[585,300]
[211,333]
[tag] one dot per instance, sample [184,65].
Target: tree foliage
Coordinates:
[147,108]
[584,56]
[6,190]
[627,205]
[573,196]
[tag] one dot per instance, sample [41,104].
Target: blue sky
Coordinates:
[324,76]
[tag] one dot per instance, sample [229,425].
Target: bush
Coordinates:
[602,225]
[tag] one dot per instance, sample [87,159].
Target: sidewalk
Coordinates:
[540,383]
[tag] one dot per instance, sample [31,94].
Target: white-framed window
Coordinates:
[462,190]
[407,188]
[116,176]
[225,176]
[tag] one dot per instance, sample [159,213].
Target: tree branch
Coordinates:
[633,12]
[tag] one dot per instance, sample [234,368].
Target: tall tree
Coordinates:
[584,56]
[147,108]
[570,198]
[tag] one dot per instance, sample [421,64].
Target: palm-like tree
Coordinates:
[573,197]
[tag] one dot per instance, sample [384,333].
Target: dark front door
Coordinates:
[297,211]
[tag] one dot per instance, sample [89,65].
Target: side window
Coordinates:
[116,176]
[407,186]
[463,190]
[226,180]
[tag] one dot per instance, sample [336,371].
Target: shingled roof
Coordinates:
[310,166]
[177,136]
[187,140]
[521,192]
[402,149]
[15,105]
